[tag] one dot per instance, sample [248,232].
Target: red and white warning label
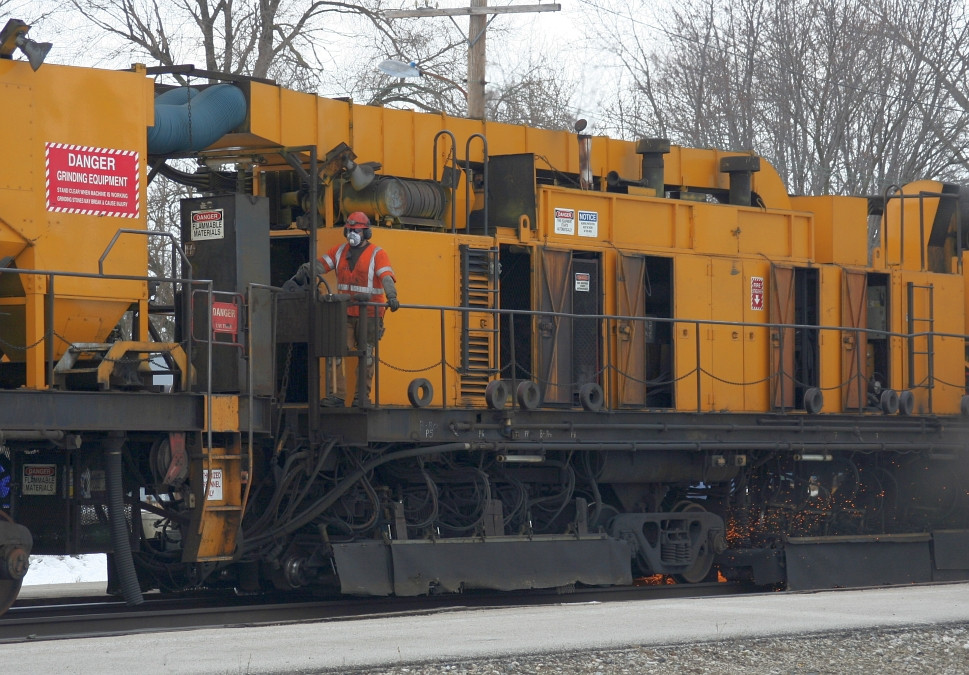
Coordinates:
[40,479]
[225,318]
[208,224]
[564,221]
[757,293]
[92,181]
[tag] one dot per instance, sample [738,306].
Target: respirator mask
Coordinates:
[354,238]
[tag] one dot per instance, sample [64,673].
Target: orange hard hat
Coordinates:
[357,220]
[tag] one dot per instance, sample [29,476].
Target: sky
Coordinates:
[511,37]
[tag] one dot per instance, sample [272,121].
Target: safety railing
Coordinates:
[689,360]
[199,298]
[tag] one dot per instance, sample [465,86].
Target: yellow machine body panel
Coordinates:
[733,269]
[78,139]
[914,220]
[931,366]
[835,243]
[403,143]
[425,265]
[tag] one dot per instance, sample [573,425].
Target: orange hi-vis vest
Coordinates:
[372,267]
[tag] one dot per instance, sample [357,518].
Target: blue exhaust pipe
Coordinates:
[187,119]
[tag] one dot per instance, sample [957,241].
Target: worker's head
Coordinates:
[357,228]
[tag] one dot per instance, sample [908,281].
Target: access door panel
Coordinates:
[782,337]
[854,343]
[631,334]
[555,332]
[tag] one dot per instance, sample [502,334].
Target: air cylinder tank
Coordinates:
[392,197]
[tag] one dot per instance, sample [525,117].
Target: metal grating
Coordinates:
[479,288]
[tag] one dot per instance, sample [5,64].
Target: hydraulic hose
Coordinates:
[311,512]
[120,536]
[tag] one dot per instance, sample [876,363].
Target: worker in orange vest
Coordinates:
[363,271]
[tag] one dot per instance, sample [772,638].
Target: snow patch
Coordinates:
[66,569]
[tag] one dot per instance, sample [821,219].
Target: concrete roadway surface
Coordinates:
[462,635]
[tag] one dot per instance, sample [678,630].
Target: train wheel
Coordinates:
[9,589]
[700,569]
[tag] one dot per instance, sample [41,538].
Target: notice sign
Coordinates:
[582,280]
[588,223]
[40,479]
[92,181]
[564,221]
[757,293]
[225,318]
[215,484]
[208,224]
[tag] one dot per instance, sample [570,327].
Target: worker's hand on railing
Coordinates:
[303,276]
[393,303]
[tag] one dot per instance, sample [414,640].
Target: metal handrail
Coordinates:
[698,370]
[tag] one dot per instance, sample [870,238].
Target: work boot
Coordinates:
[333,402]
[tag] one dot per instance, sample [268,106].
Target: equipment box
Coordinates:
[293,311]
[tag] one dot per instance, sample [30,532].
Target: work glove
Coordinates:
[390,289]
[304,275]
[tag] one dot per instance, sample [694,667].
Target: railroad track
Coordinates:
[101,618]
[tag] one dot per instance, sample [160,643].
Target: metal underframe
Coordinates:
[546,429]
[113,411]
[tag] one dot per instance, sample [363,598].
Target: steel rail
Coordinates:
[113,617]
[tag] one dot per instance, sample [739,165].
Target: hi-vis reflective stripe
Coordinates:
[373,263]
[384,270]
[339,255]
[360,289]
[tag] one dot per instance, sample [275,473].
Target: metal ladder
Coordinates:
[212,535]
[923,295]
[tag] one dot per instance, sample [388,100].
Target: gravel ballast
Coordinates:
[918,649]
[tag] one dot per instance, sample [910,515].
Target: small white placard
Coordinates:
[588,223]
[564,221]
[215,485]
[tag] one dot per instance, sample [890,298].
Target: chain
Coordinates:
[188,91]
[399,369]
[7,345]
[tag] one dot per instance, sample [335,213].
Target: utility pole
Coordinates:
[480,16]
